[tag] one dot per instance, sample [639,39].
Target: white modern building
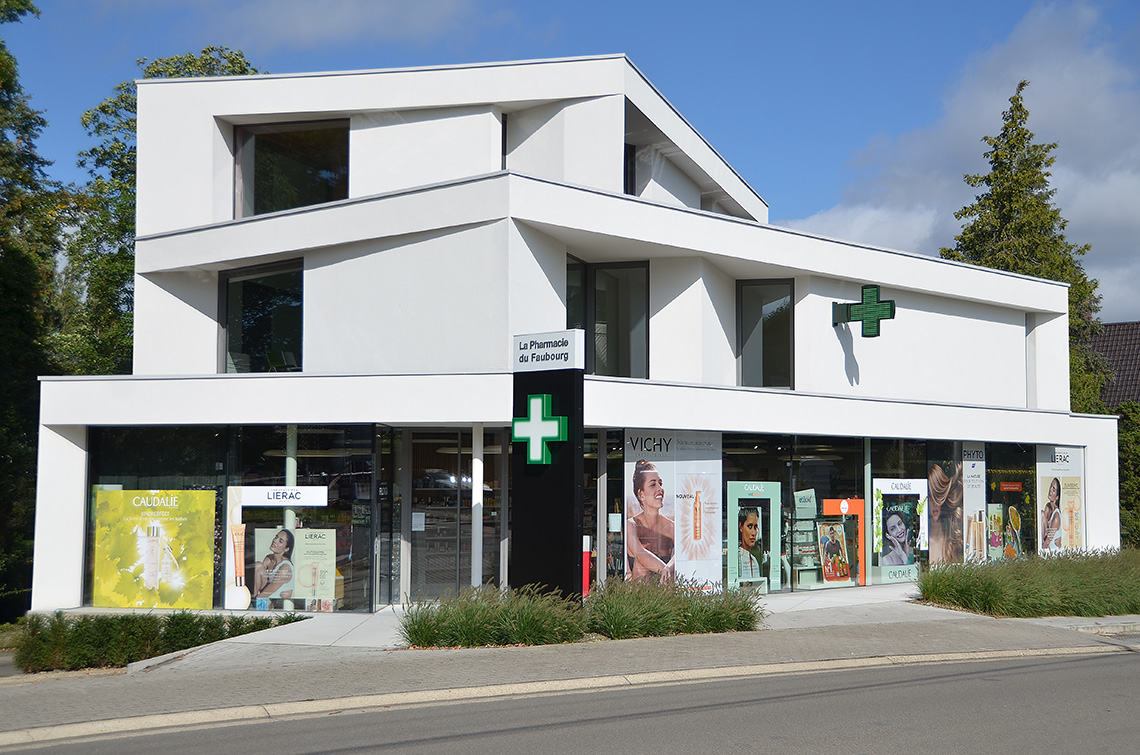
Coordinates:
[330,269]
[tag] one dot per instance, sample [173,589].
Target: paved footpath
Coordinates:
[338,664]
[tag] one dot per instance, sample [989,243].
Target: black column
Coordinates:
[546,499]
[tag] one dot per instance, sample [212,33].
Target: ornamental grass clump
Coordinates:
[482,616]
[60,642]
[1097,583]
[625,609]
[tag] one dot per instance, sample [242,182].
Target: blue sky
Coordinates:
[855,120]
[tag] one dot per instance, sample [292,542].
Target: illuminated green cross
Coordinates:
[538,428]
[869,311]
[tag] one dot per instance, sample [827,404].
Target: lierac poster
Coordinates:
[1060,498]
[154,549]
[673,506]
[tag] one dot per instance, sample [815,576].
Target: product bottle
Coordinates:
[151,557]
[697,516]
[168,563]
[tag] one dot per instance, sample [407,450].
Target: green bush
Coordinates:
[48,643]
[1099,583]
[532,616]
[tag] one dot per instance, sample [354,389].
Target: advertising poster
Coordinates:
[974,502]
[833,553]
[995,543]
[315,560]
[154,549]
[1060,498]
[754,545]
[944,502]
[899,528]
[672,506]
[274,572]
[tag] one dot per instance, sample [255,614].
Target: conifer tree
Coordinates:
[1013,225]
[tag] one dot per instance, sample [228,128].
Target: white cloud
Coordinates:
[1082,95]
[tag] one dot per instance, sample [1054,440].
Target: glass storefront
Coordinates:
[400,512]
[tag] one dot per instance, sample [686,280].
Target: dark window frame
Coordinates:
[740,285]
[296,264]
[239,140]
[589,284]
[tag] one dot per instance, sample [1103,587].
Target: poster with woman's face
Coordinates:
[673,525]
[1060,498]
[898,531]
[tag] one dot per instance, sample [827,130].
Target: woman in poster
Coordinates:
[1051,519]
[896,535]
[749,525]
[945,515]
[649,535]
[273,575]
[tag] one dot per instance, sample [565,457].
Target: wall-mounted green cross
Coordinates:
[870,311]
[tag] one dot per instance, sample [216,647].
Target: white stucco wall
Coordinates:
[691,322]
[537,293]
[176,323]
[659,180]
[61,518]
[577,142]
[431,302]
[935,349]
[400,149]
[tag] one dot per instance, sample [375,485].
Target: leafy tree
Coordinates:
[1013,225]
[33,210]
[1129,451]
[97,285]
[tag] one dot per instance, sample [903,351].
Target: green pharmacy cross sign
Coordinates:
[870,311]
[539,428]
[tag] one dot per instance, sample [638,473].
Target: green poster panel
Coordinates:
[754,507]
[154,549]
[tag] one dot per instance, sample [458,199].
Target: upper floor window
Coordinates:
[263,322]
[611,303]
[287,165]
[764,327]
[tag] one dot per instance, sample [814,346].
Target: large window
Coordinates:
[263,320]
[764,312]
[611,303]
[287,165]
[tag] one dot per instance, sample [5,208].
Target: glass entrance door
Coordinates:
[438,537]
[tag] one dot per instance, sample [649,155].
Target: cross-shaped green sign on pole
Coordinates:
[538,428]
[870,311]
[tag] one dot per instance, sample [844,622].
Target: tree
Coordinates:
[32,214]
[1129,450]
[97,286]
[1013,225]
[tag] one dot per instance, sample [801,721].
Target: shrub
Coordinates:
[110,640]
[1098,583]
[486,616]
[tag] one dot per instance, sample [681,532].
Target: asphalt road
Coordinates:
[1082,703]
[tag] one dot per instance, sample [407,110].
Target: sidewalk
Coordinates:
[350,661]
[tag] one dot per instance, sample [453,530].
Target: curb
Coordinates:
[139,724]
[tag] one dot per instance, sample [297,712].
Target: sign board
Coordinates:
[557,350]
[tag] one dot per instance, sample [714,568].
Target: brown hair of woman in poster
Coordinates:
[945,515]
